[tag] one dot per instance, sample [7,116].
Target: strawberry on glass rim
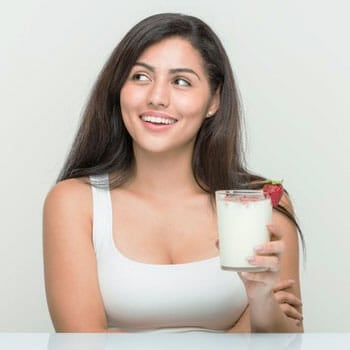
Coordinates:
[274,189]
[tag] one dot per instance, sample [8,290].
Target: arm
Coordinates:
[72,290]
[287,301]
[281,254]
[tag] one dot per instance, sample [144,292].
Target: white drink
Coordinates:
[242,219]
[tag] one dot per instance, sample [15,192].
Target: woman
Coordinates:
[130,228]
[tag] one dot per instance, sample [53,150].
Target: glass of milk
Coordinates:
[242,218]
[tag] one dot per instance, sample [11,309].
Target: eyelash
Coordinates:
[138,76]
[187,83]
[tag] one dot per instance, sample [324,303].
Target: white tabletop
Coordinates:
[170,341]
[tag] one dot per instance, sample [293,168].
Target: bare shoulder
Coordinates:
[68,207]
[71,194]
[71,189]
[287,205]
[288,230]
[286,202]
[289,234]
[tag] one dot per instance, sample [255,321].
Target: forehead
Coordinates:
[174,52]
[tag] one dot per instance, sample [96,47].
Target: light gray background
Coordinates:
[291,59]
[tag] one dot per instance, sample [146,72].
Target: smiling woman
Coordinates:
[169,91]
[130,230]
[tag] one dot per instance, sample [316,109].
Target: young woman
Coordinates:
[130,233]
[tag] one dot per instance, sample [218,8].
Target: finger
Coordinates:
[270,248]
[297,322]
[270,262]
[287,298]
[285,284]
[291,312]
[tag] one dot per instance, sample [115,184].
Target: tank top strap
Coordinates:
[102,211]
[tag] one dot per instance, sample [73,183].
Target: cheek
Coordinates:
[126,107]
[125,99]
[197,101]
[131,96]
[193,107]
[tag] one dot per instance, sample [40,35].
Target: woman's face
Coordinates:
[166,97]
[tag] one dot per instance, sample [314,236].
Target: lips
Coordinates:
[158,119]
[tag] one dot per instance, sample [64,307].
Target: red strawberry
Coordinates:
[275,191]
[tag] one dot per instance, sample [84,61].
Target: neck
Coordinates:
[160,174]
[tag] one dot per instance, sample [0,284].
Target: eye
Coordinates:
[182,82]
[140,77]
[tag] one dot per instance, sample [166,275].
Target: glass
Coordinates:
[242,217]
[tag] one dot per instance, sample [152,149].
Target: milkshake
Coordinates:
[242,218]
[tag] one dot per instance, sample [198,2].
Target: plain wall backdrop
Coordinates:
[292,63]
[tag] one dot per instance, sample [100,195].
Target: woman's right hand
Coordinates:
[288,302]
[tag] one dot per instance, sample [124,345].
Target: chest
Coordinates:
[164,231]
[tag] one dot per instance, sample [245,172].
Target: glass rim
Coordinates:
[239,191]
[250,195]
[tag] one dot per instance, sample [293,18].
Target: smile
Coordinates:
[158,120]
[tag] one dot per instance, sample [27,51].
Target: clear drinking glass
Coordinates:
[242,218]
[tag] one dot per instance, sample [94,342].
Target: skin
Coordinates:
[168,81]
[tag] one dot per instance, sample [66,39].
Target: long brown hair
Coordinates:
[103,145]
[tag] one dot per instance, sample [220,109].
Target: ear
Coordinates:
[214,104]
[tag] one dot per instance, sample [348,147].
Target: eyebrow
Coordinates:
[172,71]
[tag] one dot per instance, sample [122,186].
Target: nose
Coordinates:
[159,94]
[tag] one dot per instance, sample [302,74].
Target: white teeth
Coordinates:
[157,120]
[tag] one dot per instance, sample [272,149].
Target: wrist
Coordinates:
[260,297]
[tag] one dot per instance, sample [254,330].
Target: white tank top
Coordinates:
[138,296]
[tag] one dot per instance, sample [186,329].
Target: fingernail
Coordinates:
[259,248]
[251,259]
